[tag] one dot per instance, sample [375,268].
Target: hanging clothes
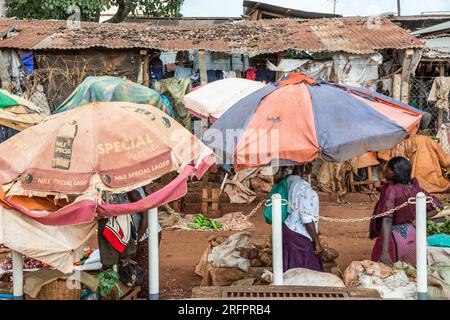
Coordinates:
[266,75]
[250,74]
[229,74]
[427,164]
[175,90]
[28,61]
[156,69]
[443,135]
[183,72]
[40,99]
[439,92]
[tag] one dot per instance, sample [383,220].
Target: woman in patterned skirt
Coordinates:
[395,233]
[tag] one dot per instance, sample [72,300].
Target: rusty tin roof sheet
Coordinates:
[352,35]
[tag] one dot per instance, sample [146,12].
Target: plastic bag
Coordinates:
[439,240]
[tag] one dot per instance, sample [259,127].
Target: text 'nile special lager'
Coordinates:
[62,154]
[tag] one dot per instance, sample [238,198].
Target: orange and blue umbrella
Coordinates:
[298,119]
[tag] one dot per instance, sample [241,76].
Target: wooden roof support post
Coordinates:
[442,68]
[143,68]
[396,86]
[406,75]
[146,69]
[202,66]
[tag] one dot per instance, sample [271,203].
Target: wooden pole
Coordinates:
[202,67]
[406,75]
[396,86]
[145,67]
[422,85]
[440,111]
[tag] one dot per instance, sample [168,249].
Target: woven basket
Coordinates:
[57,290]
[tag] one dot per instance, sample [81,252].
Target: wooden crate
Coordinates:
[210,201]
[284,293]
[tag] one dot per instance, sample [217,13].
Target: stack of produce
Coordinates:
[28,263]
[86,255]
[259,256]
[203,223]
[438,228]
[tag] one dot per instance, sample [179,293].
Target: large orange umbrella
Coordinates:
[110,146]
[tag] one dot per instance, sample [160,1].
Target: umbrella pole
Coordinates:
[114,267]
[17,264]
[223,183]
[277,241]
[153,254]
[421,246]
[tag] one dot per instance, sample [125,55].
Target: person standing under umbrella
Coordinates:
[395,234]
[301,244]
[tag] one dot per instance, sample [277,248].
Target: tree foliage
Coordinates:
[90,9]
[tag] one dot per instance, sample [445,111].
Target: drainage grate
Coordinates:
[275,293]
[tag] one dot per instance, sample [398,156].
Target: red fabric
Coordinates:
[250,74]
[296,78]
[393,195]
[114,240]
[85,211]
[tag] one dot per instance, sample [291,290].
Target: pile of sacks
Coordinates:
[238,261]
[399,281]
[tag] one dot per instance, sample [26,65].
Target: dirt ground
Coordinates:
[180,251]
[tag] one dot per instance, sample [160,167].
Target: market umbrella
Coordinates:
[18,113]
[109,89]
[112,146]
[214,99]
[298,119]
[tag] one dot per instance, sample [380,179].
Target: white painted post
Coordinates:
[17,264]
[153,254]
[421,246]
[277,241]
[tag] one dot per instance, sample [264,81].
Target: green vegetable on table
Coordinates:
[107,281]
[202,223]
[438,228]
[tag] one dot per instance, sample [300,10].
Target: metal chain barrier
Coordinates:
[185,222]
[284,202]
[350,220]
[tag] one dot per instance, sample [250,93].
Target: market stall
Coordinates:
[148,145]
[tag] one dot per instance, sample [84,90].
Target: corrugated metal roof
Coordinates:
[438,47]
[288,12]
[30,32]
[352,35]
[436,28]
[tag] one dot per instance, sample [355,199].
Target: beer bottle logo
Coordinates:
[62,154]
[27,178]
[166,122]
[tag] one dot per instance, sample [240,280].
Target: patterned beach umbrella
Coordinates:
[298,119]
[110,89]
[18,113]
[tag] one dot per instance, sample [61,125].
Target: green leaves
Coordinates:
[162,8]
[107,281]
[90,9]
[435,228]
